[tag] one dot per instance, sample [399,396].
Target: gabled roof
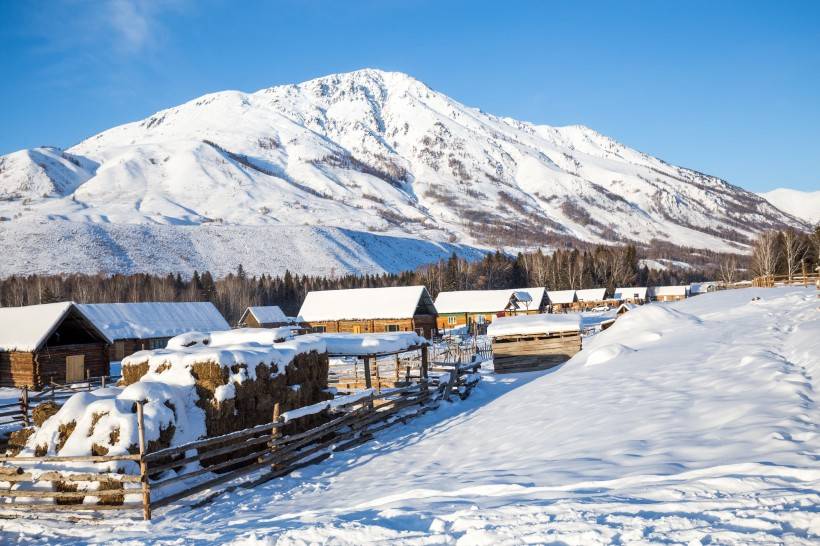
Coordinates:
[591,294]
[488,301]
[154,319]
[561,296]
[630,292]
[366,303]
[26,329]
[267,314]
[679,290]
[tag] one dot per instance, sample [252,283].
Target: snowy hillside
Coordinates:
[687,423]
[376,152]
[800,204]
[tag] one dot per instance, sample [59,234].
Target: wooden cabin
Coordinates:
[477,307]
[632,294]
[54,342]
[266,316]
[367,310]
[534,342]
[590,298]
[560,301]
[668,293]
[697,288]
[133,327]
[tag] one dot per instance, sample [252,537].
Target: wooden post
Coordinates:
[424,363]
[102,382]
[398,370]
[146,492]
[378,376]
[24,405]
[276,432]
[367,381]
[407,374]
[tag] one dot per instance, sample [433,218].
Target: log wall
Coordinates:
[533,352]
[425,323]
[51,364]
[17,369]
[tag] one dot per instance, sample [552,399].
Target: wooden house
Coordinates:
[590,298]
[133,327]
[266,316]
[51,342]
[534,342]
[469,307]
[632,294]
[560,301]
[364,310]
[697,288]
[668,293]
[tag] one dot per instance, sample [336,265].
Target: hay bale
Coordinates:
[43,411]
[133,373]
[18,439]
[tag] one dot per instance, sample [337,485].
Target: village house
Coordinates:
[266,316]
[633,294]
[668,293]
[366,310]
[560,301]
[697,288]
[133,327]
[468,307]
[533,342]
[590,298]
[54,342]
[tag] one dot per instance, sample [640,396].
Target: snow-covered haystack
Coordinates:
[200,385]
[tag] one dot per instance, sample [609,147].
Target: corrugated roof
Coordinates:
[153,319]
[365,303]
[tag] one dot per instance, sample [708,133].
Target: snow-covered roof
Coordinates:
[366,303]
[370,344]
[561,296]
[679,290]
[591,294]
[533,324]
[487,301]
[267,314]
[27,328]
[154,319]
[702,287]
[630,292]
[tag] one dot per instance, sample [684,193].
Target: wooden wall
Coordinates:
[534,352]
[17,369]
[51,364]
[425,323]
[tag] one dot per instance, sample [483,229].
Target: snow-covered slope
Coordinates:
[686,423]
[800,204]
[376,152]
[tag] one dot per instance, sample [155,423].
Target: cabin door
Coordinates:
[357,329]
[74,368]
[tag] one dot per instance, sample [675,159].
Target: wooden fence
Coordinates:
[769,281]
[162,477]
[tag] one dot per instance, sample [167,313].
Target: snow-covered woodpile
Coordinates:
[534,342]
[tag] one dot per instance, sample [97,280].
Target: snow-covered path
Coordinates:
[689,423]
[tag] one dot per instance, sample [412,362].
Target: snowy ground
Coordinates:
[688,423]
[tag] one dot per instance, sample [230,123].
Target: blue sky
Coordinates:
[727,88]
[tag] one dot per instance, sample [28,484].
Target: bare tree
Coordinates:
[766,253]
[728,269]
[794,249]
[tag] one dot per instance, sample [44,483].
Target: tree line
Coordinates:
[786,252]
[600,266]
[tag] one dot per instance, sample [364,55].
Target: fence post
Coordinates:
[424,362]
[398,369]
[146,492]
[368,383]
[378,375]
[275,431]
[24,404]
[102,382]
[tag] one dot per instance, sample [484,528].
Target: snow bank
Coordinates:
[534,324]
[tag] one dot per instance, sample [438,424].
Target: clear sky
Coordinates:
[728,88]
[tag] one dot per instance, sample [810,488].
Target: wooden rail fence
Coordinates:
[159,478]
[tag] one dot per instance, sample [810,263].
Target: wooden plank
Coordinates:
[30,507]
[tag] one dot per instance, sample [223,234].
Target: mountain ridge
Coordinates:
[378,152]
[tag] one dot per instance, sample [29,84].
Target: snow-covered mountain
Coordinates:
[800,204]
[376,152]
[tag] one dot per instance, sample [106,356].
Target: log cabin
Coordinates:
[133,327]
[668,293]
[534,342]
[560,301]
[366,310]
[53,342]
[590,298]
[477,307]
[632,294]
[266,316]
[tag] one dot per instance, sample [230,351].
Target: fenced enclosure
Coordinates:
[147,479]
[770,281]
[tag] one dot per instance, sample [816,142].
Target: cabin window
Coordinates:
[451,320]
[318,329]
[391,328]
